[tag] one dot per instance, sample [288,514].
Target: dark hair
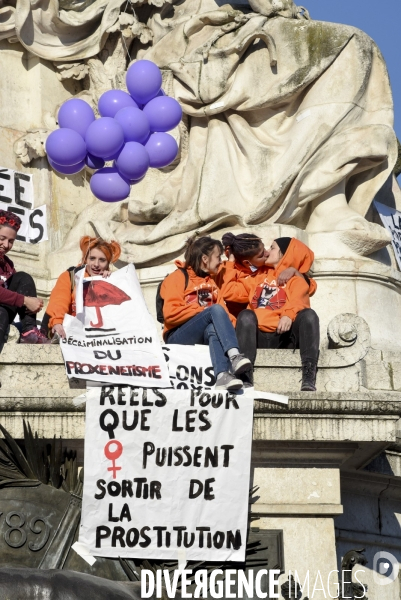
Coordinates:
[195,248]
[244,245]
[283,243]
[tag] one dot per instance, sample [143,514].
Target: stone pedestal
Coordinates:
[327,467]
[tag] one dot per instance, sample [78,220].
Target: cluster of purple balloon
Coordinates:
[131,131]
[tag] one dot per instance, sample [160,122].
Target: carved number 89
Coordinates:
[19,539]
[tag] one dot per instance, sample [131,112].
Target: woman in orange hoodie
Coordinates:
[97,254]
[195,313]
[279,314]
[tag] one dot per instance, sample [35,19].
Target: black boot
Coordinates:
[309,369]
[247,378]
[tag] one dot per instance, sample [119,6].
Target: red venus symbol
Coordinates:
[113,455]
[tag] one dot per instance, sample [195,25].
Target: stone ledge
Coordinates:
[362,268]
[328,359]
[41,402]
[31,354]
[368,483]
[368,539]
[308,510]
[337,403]
[65,425]
[322,428]
[284,454]
[51,354]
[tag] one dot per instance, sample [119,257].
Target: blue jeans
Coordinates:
[213,327]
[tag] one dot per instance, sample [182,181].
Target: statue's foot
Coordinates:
[361,236]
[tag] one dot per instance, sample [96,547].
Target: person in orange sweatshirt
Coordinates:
[97,254]
[279,313]
[250,246]
[195,313]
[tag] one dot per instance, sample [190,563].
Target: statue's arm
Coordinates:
[218,17]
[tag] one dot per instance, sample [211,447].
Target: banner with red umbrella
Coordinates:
[114,339]
[98,294]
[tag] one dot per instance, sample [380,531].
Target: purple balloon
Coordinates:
[108,185]
[162,149]
[135,181]
[94,162]
[76,114]
[164,113]
[133,161]
[71,170]
[104,138]
[135,124]
[144,80]
[114,100]
[65,147]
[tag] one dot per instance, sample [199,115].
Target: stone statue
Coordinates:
[286,120]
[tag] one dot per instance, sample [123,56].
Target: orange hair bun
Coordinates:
[111,250]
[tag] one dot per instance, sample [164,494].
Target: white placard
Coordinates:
[16,195]
[166,472]
[190,367]
[113,338]
[391,219]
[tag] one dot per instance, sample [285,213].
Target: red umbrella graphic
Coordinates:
[102,293]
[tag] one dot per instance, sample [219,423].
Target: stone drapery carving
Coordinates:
[286,120]
[50,32]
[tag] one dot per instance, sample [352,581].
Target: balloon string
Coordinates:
[125,45]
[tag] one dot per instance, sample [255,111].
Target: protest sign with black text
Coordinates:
[166,473]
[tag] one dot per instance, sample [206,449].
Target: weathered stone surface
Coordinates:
[308,546]
[314,487]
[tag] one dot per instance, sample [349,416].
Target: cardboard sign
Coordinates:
[391,219]
[16,195]
[166,474]
[113,338]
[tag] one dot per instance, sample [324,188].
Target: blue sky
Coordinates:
[381,20]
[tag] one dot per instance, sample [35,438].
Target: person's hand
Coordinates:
[34,305]
[106,274]
[60,330]
[286,275]
[284,324]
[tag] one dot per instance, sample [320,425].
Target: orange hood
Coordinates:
[298,256]
[180,264]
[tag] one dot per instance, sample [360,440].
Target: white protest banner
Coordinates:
[166,474]
[391,219]
[114,339]
[16,195]
[190,367]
